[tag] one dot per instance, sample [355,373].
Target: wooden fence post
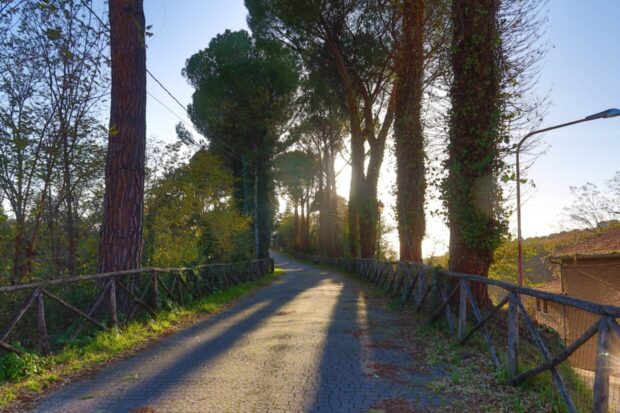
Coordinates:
[42,326]
[513,334]
[601,375]
[462,309]
[155,290]
[420,288]
[113,313]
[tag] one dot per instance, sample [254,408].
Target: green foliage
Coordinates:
[504,265]
[471,191]
[14,367]
[32,373]
[191,218]
[286,231]
[536,253]
[295,172]
[245,90]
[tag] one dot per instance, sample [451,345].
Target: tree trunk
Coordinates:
[408,132]
[327,206]
[297,240]
[368,220]
[334,225]
[19,254]
[355,197]
[302,226]
[307,222]
[471,187]
[363,129]
[121,231]
[323,209]
[369,205]
[263,205]
[68,195]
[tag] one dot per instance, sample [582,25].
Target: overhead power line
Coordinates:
[168,92]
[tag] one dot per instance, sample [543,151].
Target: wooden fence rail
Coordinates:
[448,295]
[123,293]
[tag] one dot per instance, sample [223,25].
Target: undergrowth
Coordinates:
[28,374]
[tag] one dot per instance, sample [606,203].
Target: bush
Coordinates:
[14,367]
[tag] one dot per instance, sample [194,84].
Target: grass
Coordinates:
[84,356]
[471,371]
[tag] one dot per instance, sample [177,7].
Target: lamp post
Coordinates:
[609,113]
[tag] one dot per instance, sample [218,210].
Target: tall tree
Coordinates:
[296,174]
[408,130]
[243,103]
[591,209]
[471,191]
[121,230]
[323,131]
[51,82]
[354,39]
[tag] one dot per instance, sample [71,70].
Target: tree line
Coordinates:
[458,74]
[312,83]
[79,194]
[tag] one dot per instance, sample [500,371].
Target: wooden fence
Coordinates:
[105,300]
[448,295]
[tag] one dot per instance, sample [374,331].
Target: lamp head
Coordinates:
[609,113]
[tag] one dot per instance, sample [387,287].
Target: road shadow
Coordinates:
[367,364]
[228,327]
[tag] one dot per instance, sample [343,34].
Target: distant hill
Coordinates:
[536,250]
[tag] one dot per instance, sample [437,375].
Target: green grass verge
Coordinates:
[28,375]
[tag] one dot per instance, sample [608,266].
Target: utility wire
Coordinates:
[177,101]
[188,125]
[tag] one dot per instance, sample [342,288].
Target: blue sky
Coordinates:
[580,72]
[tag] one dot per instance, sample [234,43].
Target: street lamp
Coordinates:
[609,113]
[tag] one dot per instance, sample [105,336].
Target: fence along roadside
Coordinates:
[447,295]
[110,299]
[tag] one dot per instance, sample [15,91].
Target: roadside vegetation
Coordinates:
[470,372]
[24,378]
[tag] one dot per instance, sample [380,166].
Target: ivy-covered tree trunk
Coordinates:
[121,232]
[408,132]
[368,219]
[471,188]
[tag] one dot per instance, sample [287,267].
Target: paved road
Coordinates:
[310,342]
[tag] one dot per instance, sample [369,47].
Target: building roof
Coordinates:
[604,245]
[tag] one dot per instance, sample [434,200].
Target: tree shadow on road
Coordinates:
[169,364]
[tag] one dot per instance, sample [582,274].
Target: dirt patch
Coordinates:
[388,371]
[385,345]
[145,409]
[396,406]
[284,313]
